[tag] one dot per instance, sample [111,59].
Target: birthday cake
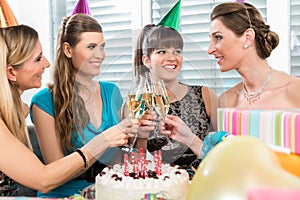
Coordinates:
[142,180]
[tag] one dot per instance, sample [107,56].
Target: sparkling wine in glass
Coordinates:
[135,106]
[161,105]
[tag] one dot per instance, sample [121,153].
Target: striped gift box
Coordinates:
[275,127]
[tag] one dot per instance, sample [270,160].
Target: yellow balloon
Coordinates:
[235,167]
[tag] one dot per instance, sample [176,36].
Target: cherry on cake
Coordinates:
[140,178]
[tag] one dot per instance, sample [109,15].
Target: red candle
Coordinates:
[132,158]
[126,165]
[135,169]
[134,163]
[156,162]
[142,163]
[145,168]
[159,162]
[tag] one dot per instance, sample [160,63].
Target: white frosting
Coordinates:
[173,184]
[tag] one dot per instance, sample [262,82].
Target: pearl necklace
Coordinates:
[254,96]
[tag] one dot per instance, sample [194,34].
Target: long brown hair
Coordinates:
[69,118]
[17,46]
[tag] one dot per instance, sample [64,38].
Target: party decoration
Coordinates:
[211,140]
[171,19]
[274,194]
[289,162]
[275,127]
[237,166]
[7,17]
[278,128]
[82,7]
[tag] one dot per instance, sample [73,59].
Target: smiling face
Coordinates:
[164,63]
[29,75]
[88,54]
[162,53]
[226,47]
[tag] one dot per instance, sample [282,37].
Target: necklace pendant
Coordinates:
[255,96]
[251,98]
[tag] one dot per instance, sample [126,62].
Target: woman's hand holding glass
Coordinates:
[176,129]
[138,105]
[161,105]
[117,135]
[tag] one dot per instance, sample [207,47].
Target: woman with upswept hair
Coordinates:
[242,41]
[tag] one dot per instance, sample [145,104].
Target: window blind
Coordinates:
[198,67]
[295,37]
[117,27]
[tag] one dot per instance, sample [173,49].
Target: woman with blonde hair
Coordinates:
[22,64]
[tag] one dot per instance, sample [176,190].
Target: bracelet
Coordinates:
[84,157]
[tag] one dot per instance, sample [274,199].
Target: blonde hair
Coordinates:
[17,44]
[69,108]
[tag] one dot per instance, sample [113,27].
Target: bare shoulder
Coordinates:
[208,93]
[294,82]
[230,97]
[292,90]
[209,96]
[287,86]
[211,104]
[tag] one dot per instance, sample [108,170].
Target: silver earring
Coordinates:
[245,46]
[14,79]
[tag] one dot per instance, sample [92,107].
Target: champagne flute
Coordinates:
[135,106]
[161,105]
[147,90]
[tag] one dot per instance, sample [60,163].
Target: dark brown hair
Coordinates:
[154,37]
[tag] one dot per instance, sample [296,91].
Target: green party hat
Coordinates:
[171,19]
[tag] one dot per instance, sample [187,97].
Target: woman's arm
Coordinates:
[211,104]
[49,141]
[21,164]
[179,131]
[46,134]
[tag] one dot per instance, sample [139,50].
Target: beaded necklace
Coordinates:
[254,96]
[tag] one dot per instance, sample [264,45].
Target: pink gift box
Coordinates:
[280,128]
